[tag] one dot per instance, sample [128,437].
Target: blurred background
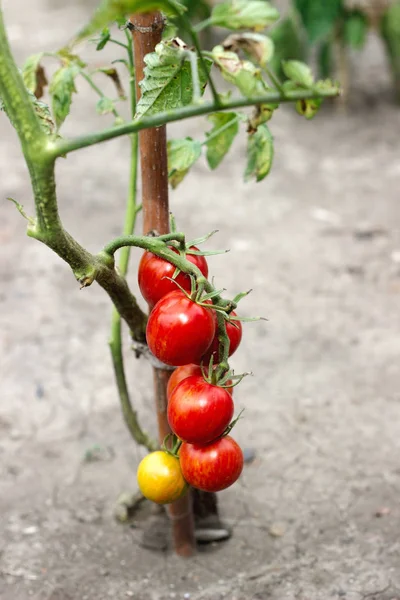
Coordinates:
[316,514]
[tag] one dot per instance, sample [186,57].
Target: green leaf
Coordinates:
[355,29]
[325,59]
[260,153]
[182,154]
[62,87]
[390,32]
[258,46]
[167,83]
[318,16]
[113,10]
[308,108]
[30,70]
[299,73]
[220,143]
[244,14]
[242,73]
[105,105]
[105,35]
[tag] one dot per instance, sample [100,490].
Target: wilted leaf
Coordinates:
[33,75]
[69,58]
[260,152]
[112,73]
[105,35]
[298,72]
[258,46]
[182,154]
[308,108]
[220,144]
[112,10]
[242,73]
[105,105]
[62,87]
[244,14]
[168,81]
[318,16]
[262,114]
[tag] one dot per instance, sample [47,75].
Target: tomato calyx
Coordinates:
[171,444]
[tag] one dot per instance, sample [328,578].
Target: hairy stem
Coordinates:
[62,147]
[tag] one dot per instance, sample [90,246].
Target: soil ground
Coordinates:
[317,514]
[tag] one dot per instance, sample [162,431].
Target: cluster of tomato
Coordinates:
[182,332]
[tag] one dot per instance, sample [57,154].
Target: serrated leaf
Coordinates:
[105,105]
[244,14]
[355,29]
[167,83]
[219,145]
[242,73]
[308,108]
[318,16]
[260,153]
[182,154]
[62,87]
[30,72]
[114,10]
[258,46]
[105,35]
[299,73]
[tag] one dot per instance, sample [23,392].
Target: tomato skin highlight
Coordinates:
[213,467]
[199,412]
[185,371]
[153,272]
[234,330]
[160,478]
[179,331]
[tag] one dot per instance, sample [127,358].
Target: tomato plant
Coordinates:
[212,467]
[163,86]
[179,331]
[160,477]
[155,275]
[199,412]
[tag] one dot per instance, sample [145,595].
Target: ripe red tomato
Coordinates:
[153,273]
[199,412]
[179,331]
[186,371]
[213,467]
[234,331]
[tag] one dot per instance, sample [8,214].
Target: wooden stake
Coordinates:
[147,32]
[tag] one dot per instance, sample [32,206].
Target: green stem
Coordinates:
[96,89]
[203,25]
[64,146]
[218,132]
[274,79]
[129,414]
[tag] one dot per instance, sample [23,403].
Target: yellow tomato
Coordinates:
[160,478]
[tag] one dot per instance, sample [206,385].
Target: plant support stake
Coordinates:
[147,31]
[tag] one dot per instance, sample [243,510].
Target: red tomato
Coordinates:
[213,467]
[186,371]
[199,412]
[234,331]
[153,273]
[179,331]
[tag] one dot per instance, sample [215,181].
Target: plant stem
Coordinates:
[47,226]
[274,80]
[96,89]
[203,24]
[130,415]
[62,147]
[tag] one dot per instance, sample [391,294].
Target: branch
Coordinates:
[47,226]
[62,147]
